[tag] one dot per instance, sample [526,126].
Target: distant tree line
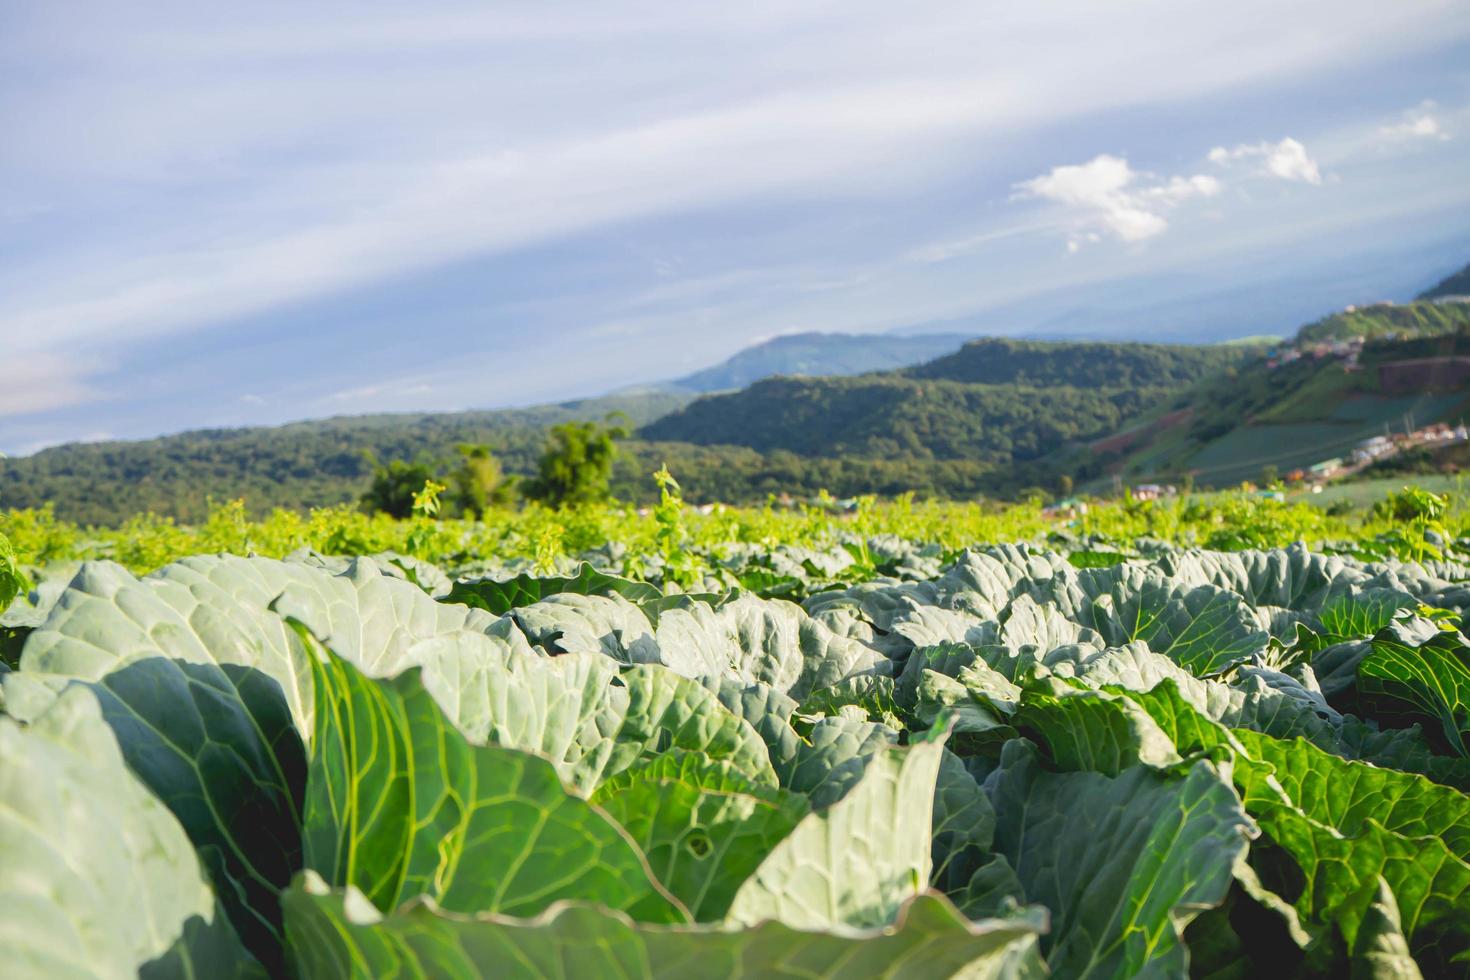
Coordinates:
[942,431]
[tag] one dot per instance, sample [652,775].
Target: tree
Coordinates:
[577,463]
[395,487]
[479,482]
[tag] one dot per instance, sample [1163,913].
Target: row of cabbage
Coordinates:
[1017,763]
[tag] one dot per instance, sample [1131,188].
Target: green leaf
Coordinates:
[12,579]
[400,804]
[834,759]
[97,878]
[1348,824]
[858,861]
[1288,578]
[767,711]
[1429,682]
[962,828]
[581,711]
[342,935]
[373,619]
[1095,559]
[1355,616]
[947,659]
[765,641]
[1031,628]
[1091,731]
[1381,952]
[500,597]
[1204,629]
[204,610]
[1338,826]
[1123,862]
[974,711]
[991,890]
[703,825]
[217,745]
[873,695]
[198,681]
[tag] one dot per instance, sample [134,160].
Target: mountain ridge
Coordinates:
[816,353]
[995,415]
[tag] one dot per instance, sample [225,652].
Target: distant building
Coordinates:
[1152,491]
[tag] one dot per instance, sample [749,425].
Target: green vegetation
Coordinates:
[302,465]
[395,487]
[1070,364]
[478,482]
[1419,319]
[644,541]
[998,418]
[12,580]
[883,416]
[1154,738]
[577,464]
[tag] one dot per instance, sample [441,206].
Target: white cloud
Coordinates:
[1109,194]
[1418,123]
[1287,159]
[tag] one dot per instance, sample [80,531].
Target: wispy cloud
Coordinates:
[1287,159]
[214,163]
[387,391]
[1418,123]
[41,381]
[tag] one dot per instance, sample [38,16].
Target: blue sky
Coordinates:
[236,214]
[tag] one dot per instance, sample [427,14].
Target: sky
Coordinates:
[238,214]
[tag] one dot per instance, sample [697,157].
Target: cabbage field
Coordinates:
[803,747]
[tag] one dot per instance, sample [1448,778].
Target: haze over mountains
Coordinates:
[818,354]
[846,413]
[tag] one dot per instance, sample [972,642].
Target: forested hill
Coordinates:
[1419,319]
[886,415]
[818,355]
[1454,285]
[999,401]
[1045,364]
[304,464]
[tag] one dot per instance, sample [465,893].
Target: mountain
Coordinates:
[1457,284]
[818,355]
[1232,427]
[995,361]
[994,401]
[883,415]
[1417,319]
[991,417]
